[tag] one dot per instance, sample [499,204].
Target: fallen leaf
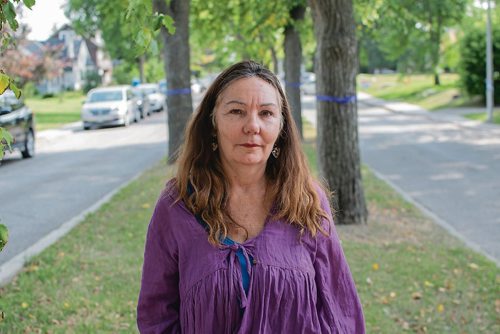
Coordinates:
[473,266]
[24,305]
[428,284]
[32,268]
[440,308]
[369,281]
[146,206]
[416,295]
[392,294]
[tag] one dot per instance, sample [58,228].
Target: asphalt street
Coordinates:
[73,171]
[445,164]
[449,167]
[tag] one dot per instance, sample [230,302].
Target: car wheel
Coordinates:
[86,126]
[29,145]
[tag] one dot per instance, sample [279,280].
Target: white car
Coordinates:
[157,100]
[105,106]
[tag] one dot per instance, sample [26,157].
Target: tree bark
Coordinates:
[293,60]
[274,56]
[337,128]
[140,65]
[178,73]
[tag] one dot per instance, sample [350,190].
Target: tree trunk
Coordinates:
[337,128]
[178,73]
[274,56]
[293,60]
[435,37]
[140,65]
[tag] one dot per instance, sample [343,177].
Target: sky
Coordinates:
[42,18]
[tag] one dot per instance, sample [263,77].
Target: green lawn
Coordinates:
[483,116]
[412,276]
[416,89]
[56,111]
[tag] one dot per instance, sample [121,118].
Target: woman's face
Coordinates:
[248,121]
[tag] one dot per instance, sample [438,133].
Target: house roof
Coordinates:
[92,47]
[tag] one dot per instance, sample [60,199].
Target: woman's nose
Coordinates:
[252,125]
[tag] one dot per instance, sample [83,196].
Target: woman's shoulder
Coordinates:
[170,191]
[168,201]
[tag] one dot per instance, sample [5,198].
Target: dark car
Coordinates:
[17,118]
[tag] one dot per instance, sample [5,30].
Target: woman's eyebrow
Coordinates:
[268,104]
[235,102]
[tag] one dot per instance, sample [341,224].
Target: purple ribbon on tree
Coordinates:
[336,99]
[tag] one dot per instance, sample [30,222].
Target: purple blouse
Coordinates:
[297,285]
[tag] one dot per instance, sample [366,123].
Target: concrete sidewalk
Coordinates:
[452,115]
[445,164]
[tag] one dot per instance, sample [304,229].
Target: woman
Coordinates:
[242,239]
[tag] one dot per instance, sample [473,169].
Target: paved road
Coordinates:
[72,171]
[448,166]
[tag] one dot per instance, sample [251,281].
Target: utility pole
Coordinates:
[489,66]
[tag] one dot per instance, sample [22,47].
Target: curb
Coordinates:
[12,267]
[435,218]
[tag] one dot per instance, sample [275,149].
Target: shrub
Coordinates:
[29,90]
[92,79]
[473,63]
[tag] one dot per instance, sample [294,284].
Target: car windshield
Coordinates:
[106,96]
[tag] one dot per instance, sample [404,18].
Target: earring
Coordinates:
[275,152]
[214,143]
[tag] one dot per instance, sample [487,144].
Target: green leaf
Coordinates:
[4,83]
[4,236]
[168,22]
[5,135]
[5,142]
[158,19]
[10,14]
[29,3]
[16,90]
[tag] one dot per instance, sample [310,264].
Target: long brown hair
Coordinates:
[200,177]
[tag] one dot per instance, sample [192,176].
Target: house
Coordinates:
[71,60]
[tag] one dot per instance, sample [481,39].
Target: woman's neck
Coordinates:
[246,178]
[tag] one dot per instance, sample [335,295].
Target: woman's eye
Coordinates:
[236,111]
[266,113]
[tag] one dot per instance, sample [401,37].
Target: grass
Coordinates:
[54,112]
[411,275]
[416,89]
[483,116]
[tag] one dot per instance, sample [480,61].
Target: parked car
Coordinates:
[18,119]
[114,105]
[157,99]
[143,102]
